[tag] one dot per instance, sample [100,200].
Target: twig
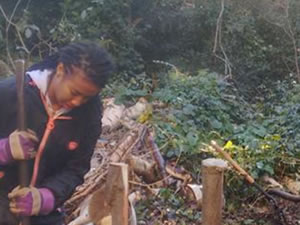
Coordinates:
[12,15]
[87,191]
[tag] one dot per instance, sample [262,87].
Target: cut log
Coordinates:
[142,168]
[112,115]
[194,193]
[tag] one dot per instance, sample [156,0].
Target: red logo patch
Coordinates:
[72,145]
[2,174]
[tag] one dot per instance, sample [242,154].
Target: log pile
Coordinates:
[137,149]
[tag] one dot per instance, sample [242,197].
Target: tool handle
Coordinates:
[232,162]
[23,165]
[20,75]
[20,70]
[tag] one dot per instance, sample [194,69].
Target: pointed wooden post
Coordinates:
[117,192]
[213,198]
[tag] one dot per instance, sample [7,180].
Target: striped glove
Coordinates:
[31,201]
[20,145]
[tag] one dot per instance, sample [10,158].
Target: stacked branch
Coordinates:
[146,165]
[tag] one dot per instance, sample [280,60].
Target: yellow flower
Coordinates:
[276,137]
[265,146]
[228,145]
[146,115]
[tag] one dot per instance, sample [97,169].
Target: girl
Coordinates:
[63,115]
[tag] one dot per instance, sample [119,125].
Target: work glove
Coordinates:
[20,145]
[31,201]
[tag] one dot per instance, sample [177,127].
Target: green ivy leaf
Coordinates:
[192,138]
[216,124]
[259,131]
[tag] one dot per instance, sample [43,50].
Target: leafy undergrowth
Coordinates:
[262,136]
[167,208]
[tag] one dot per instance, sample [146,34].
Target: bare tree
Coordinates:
[218,43]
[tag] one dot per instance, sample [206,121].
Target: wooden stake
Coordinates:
[213,198]
[117,192]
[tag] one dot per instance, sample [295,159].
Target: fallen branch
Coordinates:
[284,195]
[151,145]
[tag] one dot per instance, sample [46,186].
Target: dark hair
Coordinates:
[93,60]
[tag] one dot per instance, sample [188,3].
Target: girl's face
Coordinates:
[70,90]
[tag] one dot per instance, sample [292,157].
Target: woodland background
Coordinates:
[227,70]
